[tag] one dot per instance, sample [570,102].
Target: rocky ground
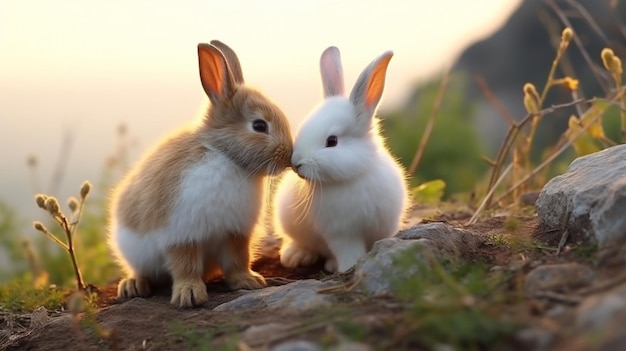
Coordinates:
[518,279]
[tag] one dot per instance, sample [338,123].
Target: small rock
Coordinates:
[536,338]
[591,195]
[298,345]
[351,346]
[257,333]
[297,296]
[39,318]
[558,277]
[444,237]
[598,312]
[385,265]
[599,323]
[528,198]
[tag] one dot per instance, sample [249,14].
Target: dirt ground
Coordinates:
[154,324]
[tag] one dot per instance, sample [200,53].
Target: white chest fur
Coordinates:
[216,198]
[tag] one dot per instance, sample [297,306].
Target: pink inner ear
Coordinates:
[332,72]
[376,83]
[211,71]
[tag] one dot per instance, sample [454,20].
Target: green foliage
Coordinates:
[203,339]
[10,244]
[586,252]
[92,253]
[21,295]
[90,244]
[459,304]
[429,192]
[453,153]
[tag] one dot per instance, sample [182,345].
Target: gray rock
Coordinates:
[390,261]
[351,346]
[599,312]
[263,334]
[599,323]
[39,318]
[297,296]
[558,277]
[298,345]
[394,259]
[593,194]
[536,338]
[444,237]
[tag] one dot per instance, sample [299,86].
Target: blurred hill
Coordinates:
[521,51]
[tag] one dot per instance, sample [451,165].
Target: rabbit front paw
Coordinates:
[189,293]
[245,280]
[294,256]
[133,287]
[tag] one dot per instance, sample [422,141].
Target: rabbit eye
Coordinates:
[260,126]
[331,141]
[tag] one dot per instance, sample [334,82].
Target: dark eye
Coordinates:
[331,141]
[260,126]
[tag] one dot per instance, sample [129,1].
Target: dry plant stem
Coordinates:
[55,239]
[565,235]
[512,134]
[592,23]
[566,299]
[547,161]
[483,204]
[622,100]
[69,229]
[598,73]
[504,151]
[430,124]
[549,83]
[602,287]
[484,88]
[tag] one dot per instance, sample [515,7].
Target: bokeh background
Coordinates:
[87,87]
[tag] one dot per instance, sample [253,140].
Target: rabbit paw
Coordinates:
[189,293]
[133,287]
[331,265]
[294,256]
[245,280]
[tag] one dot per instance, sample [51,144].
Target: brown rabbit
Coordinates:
[189,208]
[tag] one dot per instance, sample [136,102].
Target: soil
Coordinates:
[153,324]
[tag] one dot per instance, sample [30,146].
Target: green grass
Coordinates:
[459,304]
[205,339]
[21,295]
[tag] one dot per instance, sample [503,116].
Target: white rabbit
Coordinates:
[350,191]
[188,209]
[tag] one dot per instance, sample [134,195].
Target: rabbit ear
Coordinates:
[231,59]
[216,78]
[368,88]
[332,72]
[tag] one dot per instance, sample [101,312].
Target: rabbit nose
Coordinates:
[296,168]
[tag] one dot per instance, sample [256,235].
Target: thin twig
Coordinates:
[597,72]
[568,143]
[565,232]
[592,22]
[566,299]
[604,286]
[510,138]
[55,239]
[341,288]
[484,88]
[430,124]
[483,204]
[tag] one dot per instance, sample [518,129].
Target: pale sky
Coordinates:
[85,67]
